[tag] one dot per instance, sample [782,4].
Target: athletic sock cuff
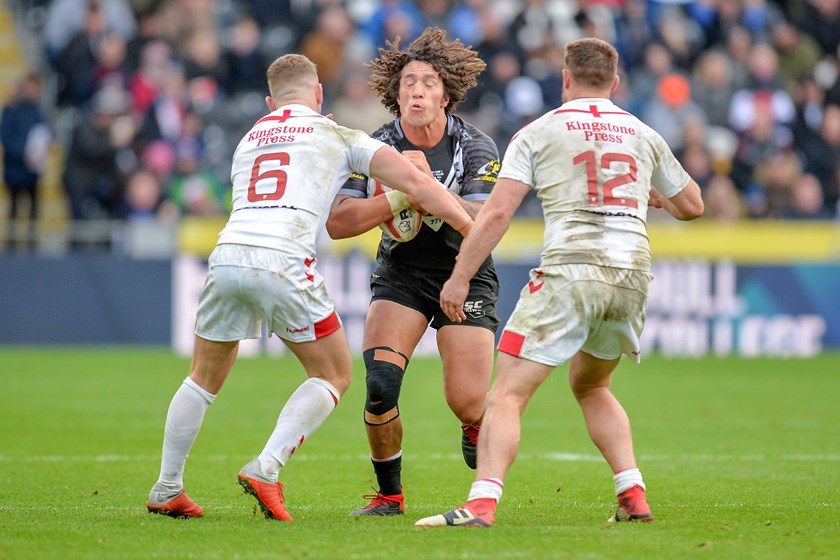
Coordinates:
[203,394]
[396,455]
[486,488]
[626,479]
[326,385]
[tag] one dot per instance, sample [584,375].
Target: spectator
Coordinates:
[393,18]
[682,37]
[822,154]
[66,18]
[502,69]
[633,33]
[777,176]
[77,61]
[164,118]
[821,20]
[270,14]
[759,143]
[833,190]
[739,43]
[325,46]
[182,19]
[658,62]
[797,52]
[547,68]
[194,189]
[494,37]
[243,57]
[806,200]
[435,13]
[594,19]
[723,201]
[712,86]
[25,138]
[93,176]
[204,68]
[495,41]
[356,106]
[143,195]
[698,163]
[147,80]
[464,20]
[533,27]
[150,28]
[672,110]
[111,63]
[764,92]
[159,158]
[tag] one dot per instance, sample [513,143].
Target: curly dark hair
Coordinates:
[458,66]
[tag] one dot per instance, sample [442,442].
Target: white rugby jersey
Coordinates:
[286,172]
[592,164]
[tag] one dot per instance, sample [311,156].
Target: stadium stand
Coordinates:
[747,93]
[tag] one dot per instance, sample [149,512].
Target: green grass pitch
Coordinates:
[741,458]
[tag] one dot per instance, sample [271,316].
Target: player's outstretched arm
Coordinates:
[686,205]
[390,167]
[350,216]
[492,223]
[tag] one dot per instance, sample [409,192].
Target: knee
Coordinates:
[504,397]
[385,369]
[583,389]
[341,380]
[469,408]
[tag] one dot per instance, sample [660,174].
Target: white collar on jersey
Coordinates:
[588,101]
[297,107]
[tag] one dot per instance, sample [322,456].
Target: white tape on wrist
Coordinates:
[397,200]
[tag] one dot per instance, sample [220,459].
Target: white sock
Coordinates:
[183,421]
[486,488]
[627,479]
[302,414]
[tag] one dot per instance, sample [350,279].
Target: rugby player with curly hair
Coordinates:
[422,85]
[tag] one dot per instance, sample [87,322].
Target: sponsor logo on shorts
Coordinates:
[473,308]
[300,330]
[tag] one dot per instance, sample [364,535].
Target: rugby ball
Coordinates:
[404,224]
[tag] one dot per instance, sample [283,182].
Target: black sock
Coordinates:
[388,476]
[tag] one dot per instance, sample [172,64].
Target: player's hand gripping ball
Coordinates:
[405,222]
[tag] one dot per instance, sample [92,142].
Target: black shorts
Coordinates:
[420,290]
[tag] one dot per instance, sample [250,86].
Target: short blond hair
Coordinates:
[290,74]
[592,62]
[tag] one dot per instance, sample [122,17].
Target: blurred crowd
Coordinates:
[148,98]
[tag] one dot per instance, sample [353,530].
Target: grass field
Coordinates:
[741,458]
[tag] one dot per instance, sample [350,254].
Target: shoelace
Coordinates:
[377,499]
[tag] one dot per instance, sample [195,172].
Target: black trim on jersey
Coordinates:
[473,170]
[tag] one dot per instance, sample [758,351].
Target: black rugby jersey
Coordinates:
[466,161]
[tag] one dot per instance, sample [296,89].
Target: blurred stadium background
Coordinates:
[123,114]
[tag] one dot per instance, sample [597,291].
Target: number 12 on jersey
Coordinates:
[601,194]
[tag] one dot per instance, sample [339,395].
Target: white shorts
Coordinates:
[566,308]
[248,286]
